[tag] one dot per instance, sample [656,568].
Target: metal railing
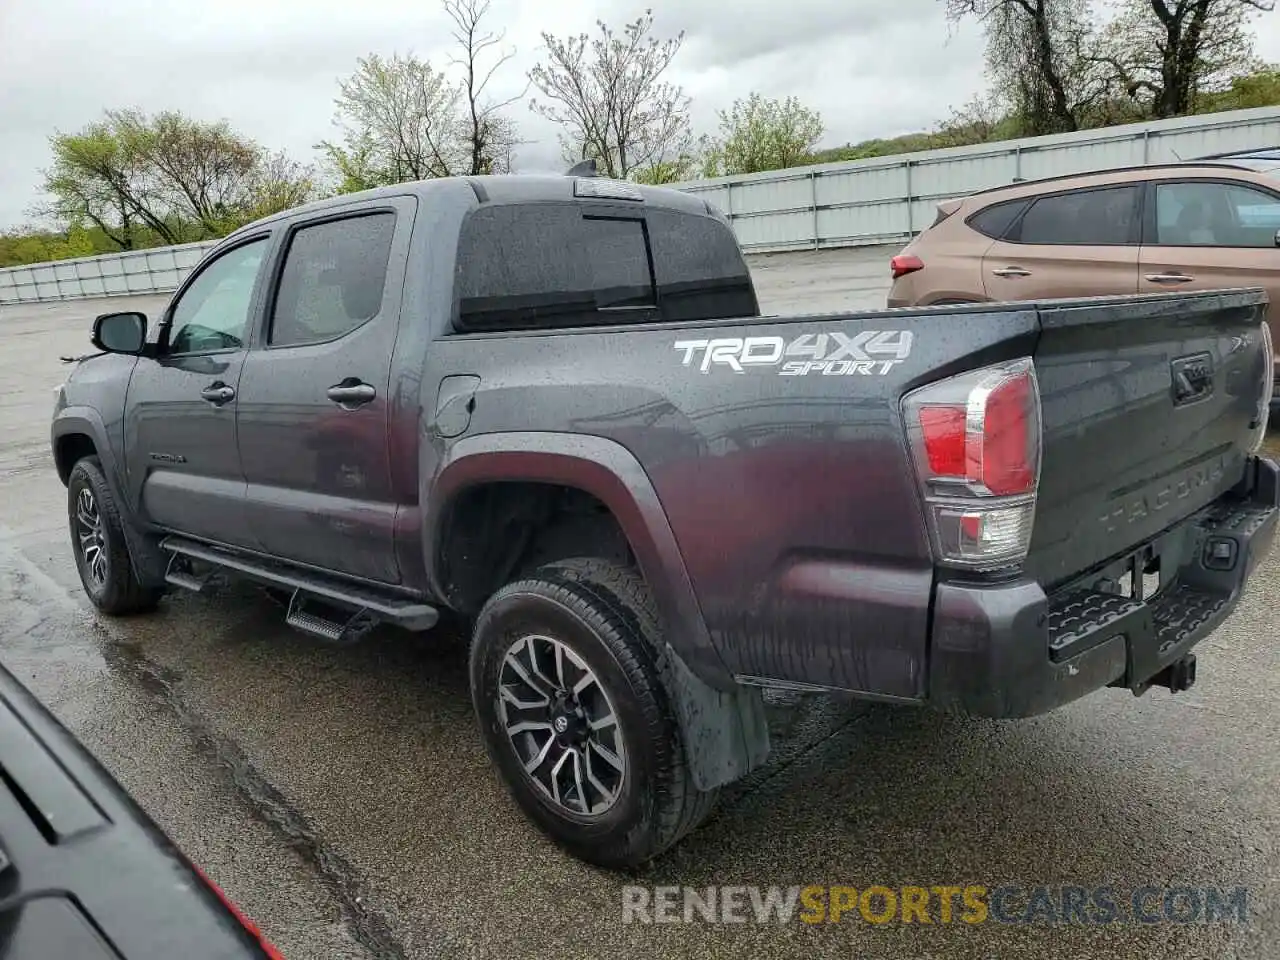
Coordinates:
[883,200]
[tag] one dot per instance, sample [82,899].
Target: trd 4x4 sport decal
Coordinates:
[835,354]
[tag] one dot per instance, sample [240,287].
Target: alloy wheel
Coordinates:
[562,725]
[91,537]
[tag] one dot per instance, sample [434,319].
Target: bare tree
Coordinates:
[1164,53]
[399,117]
[487,135]
[1034,58]
[607,93]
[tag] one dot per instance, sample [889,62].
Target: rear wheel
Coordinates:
[98,541]
[567,677]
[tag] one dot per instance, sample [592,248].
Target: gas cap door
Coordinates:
[454,404]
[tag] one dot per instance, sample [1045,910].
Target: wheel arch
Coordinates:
[607,471]
[78,432]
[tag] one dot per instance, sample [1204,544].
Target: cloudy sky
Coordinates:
[871,67]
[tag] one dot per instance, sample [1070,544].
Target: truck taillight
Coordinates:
[976,442]
[1268,386]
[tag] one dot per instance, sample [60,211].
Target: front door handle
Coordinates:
[1011,272]
[218,393]
[1169,278]
[351,393]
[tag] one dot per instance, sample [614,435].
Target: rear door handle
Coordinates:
[1011,272]
[1169,278]
[351,393]
[218,393]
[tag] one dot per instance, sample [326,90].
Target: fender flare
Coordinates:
[87,421]
[608,471]
[149,562]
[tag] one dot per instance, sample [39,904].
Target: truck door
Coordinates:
[314,405]
[180,419]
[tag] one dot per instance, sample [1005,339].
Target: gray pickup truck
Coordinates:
[551,406]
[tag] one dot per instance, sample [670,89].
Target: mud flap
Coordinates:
[726,734]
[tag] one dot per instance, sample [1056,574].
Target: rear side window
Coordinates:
[1105,216]
[333,279]
[543,265]
[996,220]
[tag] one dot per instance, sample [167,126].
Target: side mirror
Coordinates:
[120,332]
[1277,238]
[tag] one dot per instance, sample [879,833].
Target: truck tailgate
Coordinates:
[1150,408]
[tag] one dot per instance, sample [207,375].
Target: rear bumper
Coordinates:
[1008,650]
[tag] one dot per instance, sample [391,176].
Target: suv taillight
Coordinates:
[976,442]
[903,264]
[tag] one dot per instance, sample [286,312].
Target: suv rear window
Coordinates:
[545,265]
[1104,216]
[996,220]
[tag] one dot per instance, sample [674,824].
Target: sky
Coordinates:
[872,68]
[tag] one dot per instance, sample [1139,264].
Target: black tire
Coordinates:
[107,576]
[604,614]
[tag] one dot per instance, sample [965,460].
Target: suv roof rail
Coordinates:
[583,168]
[1224,162]
[1256,153]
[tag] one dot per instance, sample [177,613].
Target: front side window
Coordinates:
[213,312]
[333,279]
[1209,214]
[1105,216]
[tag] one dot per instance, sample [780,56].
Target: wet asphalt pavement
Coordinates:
[342,796]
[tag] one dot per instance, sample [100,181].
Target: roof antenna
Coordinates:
[1175,153]
[583,168]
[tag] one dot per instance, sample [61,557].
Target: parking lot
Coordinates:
[343,798]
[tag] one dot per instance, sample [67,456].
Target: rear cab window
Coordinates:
[552,264]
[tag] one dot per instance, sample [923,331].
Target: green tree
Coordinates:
[137,180]
[759,134]
[1260,89]
[1166,54]
[399,122]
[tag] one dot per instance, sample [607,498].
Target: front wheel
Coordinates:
[98,541]
[567,681]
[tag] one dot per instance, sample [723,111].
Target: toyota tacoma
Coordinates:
[551,405]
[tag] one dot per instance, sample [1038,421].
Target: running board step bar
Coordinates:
[343,630]
[363,606]
[180,573]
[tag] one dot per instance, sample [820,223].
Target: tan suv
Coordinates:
[1198,225]
[1194,225]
